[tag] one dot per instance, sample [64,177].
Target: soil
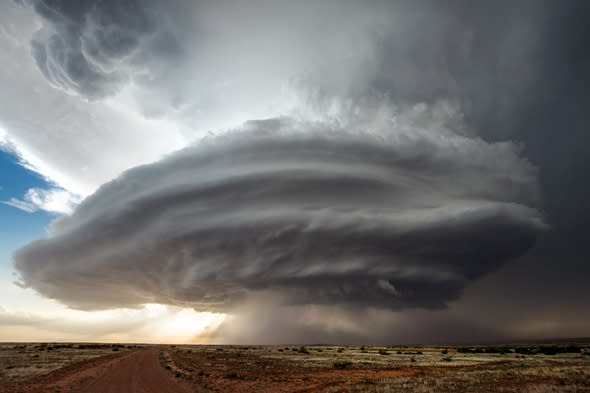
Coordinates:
[260,369]
[232,371]
[138,371]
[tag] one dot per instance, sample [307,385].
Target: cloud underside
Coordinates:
[92,49]
[291,208]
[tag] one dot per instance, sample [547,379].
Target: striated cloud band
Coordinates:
[309,211]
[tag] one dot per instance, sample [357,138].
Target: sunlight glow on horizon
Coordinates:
[153,324]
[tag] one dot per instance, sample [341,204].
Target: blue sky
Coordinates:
[18,227]
[48,318]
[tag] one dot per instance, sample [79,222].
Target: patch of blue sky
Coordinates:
[18,227]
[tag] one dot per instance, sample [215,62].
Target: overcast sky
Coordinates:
[294,172]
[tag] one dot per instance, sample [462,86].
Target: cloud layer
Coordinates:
[308,211]
[54,200]
[93,48]
[440,75]
[224,63]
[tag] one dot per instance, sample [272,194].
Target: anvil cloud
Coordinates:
[309,211]
[334,170]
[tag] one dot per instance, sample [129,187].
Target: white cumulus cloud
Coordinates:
[53,200]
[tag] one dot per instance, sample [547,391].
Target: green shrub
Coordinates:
[500,350]
[572,349]
[383,352]
[552,350]
[341,364]
[303,350]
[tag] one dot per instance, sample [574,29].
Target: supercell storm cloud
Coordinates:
[385,163]
[309,211]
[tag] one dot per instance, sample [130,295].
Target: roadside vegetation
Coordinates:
[19,362]
[533,368]
[331,369]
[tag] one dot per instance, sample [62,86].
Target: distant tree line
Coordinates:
[525,350]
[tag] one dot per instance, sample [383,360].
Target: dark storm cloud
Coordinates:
[508,70]
[92,47]
[483,57]
[264,319]
[312,212]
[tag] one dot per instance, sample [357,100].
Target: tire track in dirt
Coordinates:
[140,372]
[136,372]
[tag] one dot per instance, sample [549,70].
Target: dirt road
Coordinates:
[136,372]
[140,372]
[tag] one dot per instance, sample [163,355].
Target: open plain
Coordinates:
[69,368]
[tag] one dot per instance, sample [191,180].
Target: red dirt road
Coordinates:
[140,372]
[135,372]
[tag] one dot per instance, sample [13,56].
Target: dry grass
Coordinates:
[509,377]
[379,369]
[19,362]
[331,369]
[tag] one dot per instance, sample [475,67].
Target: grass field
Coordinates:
[19,361]
[329,369]
[529,368]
